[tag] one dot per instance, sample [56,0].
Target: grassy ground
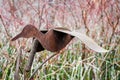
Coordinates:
[69,65]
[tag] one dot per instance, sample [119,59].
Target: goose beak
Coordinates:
[16,37]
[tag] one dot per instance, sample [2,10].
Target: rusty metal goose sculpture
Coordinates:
[56,38]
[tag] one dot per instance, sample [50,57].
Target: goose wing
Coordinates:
[85,39]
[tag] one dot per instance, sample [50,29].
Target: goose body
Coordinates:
[56,39]
[50,40]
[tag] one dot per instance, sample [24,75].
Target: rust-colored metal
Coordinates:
[50,40]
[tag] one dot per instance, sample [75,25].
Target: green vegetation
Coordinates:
[68,65]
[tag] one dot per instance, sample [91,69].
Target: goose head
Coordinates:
[27,32]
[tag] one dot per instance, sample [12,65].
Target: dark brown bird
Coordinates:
[56,39]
